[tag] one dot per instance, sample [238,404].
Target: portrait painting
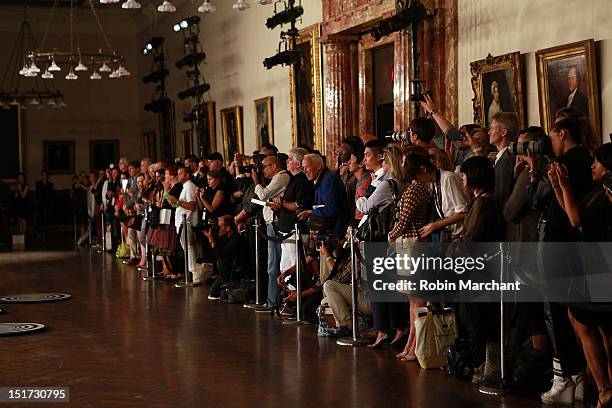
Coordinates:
[264,125]
[231,126]
[567,79]
[205,129]
[58,157]
[102,153]
[498,87]
[305,91]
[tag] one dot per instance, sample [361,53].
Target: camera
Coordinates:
[543,147]
[607,181]
[400,136]
[250,168]
[454,135]
[211,225]
[420,97]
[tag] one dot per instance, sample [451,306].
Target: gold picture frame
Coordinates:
[205,129]
[497,83]
[264,121]
[231,128]
[555,81]
[307,103]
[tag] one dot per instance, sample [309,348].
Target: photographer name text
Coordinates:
[424,285]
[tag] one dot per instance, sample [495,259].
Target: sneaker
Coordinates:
[341,331]
[579,383]
[561,392]
[265,308]
[211,297]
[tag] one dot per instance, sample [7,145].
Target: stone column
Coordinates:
[340,93]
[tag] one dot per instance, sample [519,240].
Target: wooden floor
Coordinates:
[123,342]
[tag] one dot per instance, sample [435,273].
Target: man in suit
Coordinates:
[575,98]
[504,130]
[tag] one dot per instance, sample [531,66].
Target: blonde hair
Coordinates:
[394,157]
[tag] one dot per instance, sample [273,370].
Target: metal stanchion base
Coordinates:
[349,341]
[14,329]
[252,305]
[184,285]
[143,269]
[148,278]
[35,298]
[492,390]
[292,321]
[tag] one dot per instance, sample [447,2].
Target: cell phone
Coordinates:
[111,166]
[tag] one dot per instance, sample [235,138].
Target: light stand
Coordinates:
[354,341]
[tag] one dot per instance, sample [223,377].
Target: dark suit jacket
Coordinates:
[580,102]
[504,178]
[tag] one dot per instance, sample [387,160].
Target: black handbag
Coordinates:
[380,220]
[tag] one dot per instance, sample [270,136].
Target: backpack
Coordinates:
[235,292]
[380,220]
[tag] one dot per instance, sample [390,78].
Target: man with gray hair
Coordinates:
[504,130]
[329,198]
[299,195]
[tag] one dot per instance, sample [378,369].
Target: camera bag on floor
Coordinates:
[459,360]
[435,333]
[235,292]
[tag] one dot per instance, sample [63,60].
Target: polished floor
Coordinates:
[123,342]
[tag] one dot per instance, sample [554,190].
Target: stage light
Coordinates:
[152,44]
[413,13]
[287,57]
[159,105]
[285,17]
[194,91]
[156,76]
[190,60]
[186,23]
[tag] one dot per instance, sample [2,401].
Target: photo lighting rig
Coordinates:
[160,102]
[287,54]
[409,14]
[194,56]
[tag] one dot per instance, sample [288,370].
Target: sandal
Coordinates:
[607,404]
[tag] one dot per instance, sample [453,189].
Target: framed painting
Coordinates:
[58,156]
[231,128]
[497,83]
[205,129]
[306,92]
[567,78]
[13,146]
[102,153]
[264,121]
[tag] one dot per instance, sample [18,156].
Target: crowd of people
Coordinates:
[441,183]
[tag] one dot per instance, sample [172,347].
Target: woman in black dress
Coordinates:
[214,200]
[593,217]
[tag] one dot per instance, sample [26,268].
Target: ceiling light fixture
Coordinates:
[71,75]
[47,74]
[95,76]
[241,5]
[131,4]
[207,7]
[166,7]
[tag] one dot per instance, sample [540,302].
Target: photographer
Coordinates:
[228,248]
[214,199]
[279,179]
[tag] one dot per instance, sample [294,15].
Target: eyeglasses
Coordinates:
[266,165]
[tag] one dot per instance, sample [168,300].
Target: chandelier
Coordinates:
[35,93]
[74,61]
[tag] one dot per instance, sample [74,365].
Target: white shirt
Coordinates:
[570,98]
[188,194]
[453,197]
[276,188]
[500,154]
[382,195]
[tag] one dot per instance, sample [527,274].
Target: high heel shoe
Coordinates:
[381,343]
[600,403]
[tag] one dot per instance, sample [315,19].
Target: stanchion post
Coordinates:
[354,341]
[76,238]
[257,303]
[103,237]
[186,249]
[150,276]
[298,277]
[501,388]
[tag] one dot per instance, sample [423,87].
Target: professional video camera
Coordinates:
[257,165]
[542,147]
[399,136]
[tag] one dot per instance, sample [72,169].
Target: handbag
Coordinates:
[436,331]
[380,220]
